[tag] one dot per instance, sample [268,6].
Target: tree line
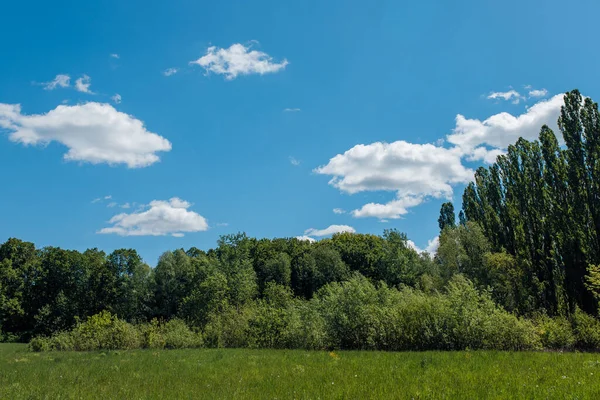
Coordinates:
[538,206]
[519,270]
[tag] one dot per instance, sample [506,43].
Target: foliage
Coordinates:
[587,331]
[556,333]
[447,217]
[540,204]
[104,331]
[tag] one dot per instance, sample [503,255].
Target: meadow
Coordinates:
[296,374]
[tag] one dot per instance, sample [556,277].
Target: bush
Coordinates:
[102,331]
[305,328]
[555,333]
[177,335]
[229,328]
[587,331]
[40,343]
[106,332]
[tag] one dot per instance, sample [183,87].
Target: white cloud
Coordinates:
[111,204]
[83,84]
[432,245]
[307,238]
[116,98]
[418,172]
[294,162]
[291,110]
[162,218]
[330,230]
[125,205]
[238,60]
[222,224]
[431,249]
[93,132]
[414,171]
[538,93]
[99,199]
[509,95]
[115,55]
[392,210]
[339,211]
[60,80]
[170,71]
[503,129]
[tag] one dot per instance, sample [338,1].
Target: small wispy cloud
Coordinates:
[116,98]
[222,224]
[294,161]
[170,71]
[115,55]
[99,199]
[339,211]
[537,93]
[111,204]
[330,230]
[291,110]
[126,205]
[61,80]
[83,84]
[512,94]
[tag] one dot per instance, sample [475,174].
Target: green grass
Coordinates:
[294,374]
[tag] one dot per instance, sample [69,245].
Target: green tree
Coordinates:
[447,217]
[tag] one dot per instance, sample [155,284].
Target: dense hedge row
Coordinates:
[354,314]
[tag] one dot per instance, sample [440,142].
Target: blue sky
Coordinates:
[211,149]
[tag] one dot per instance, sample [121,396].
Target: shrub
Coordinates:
[229,328]
[555,333]
[102,331]
[305,328]
[177,335]
[40,343]
[152,337]
[587,331]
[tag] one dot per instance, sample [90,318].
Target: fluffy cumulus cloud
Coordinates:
[473,136]
[413,171]
[161,218]
[60,81]
[306,238]
[93,132]
[238,60]
[330,230]
[418,172]
[432,246]
[83,84]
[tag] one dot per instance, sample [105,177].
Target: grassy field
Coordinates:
[282,374]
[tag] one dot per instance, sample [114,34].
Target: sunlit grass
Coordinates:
[294,374]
